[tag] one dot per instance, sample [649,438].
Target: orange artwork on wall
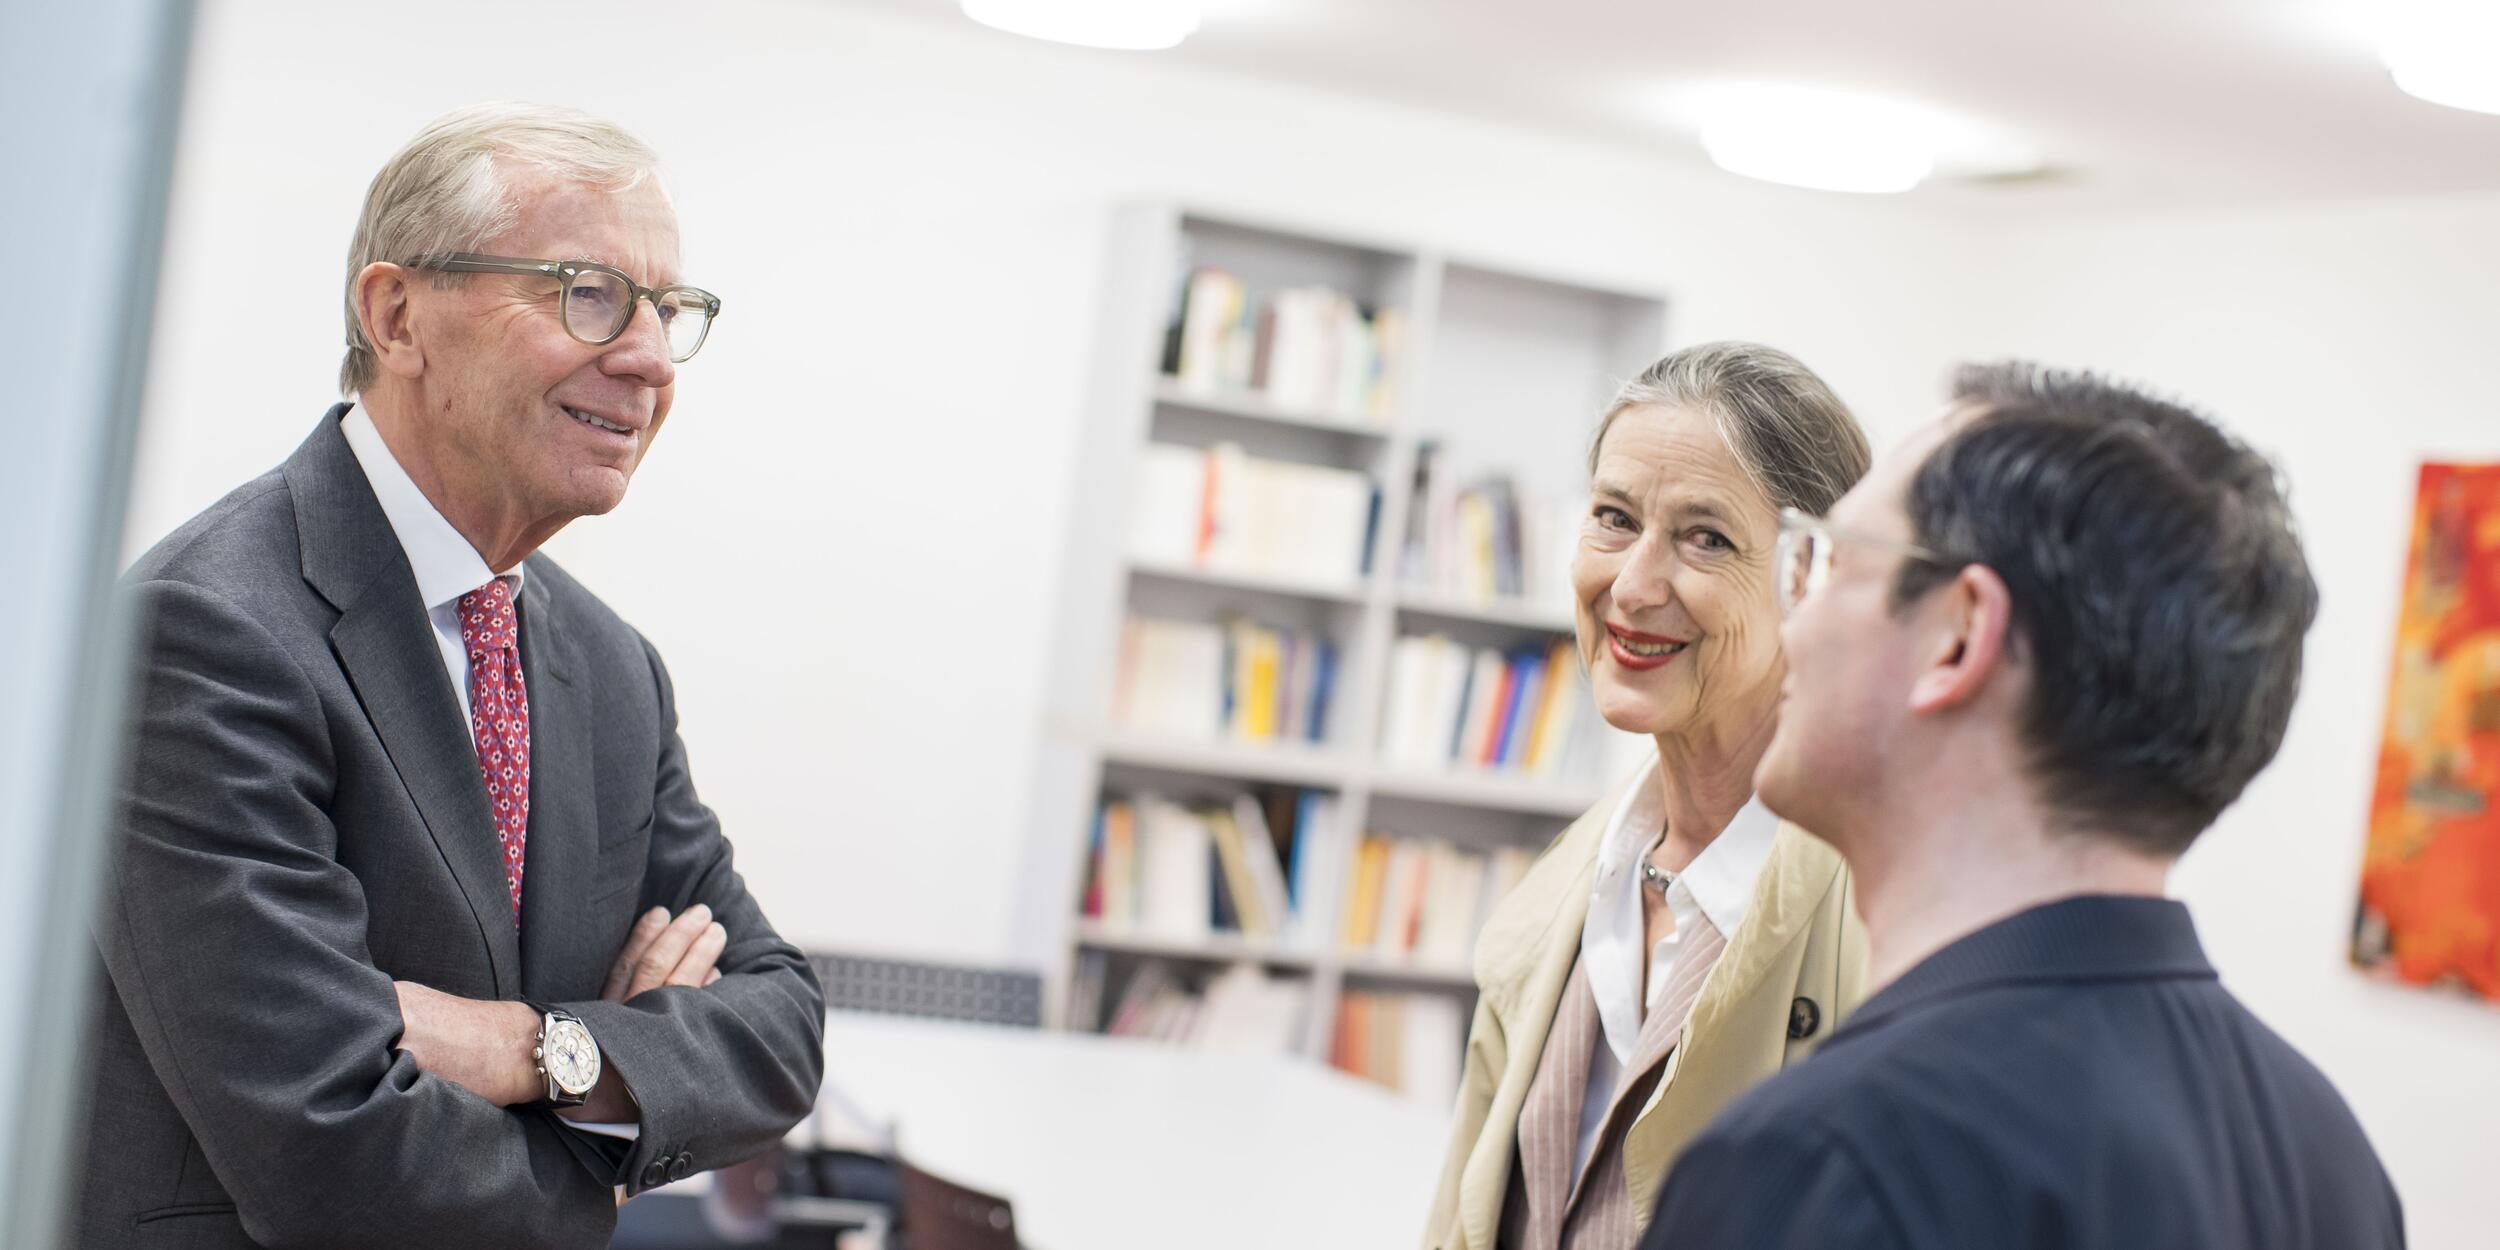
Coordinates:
[2430,879]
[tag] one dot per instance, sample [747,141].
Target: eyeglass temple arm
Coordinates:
[463,262]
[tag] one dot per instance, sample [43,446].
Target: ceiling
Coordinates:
[2131,104]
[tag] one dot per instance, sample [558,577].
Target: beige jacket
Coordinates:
[1801,941]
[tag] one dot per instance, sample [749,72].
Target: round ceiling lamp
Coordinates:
[1817,137]
[2444,51]
[1126,25]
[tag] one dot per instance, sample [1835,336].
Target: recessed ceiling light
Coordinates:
[1129,25]
[1816,137]
[2444,51]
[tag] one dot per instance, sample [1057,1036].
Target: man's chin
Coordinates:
[1771,782]
[596,491]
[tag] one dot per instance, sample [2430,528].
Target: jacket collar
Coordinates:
[2091,937]
[1533,937]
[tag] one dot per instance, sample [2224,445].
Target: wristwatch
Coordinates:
[567,1058]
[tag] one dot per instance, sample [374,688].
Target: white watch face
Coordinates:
[571,1058]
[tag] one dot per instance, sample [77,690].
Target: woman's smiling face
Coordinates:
[1676,620]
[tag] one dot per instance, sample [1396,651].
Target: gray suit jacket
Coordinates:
[304,823]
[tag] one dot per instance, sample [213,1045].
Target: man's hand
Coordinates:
[661,951]
[481,1046]
[484,1047]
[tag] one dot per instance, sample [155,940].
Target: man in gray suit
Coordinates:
[417,934]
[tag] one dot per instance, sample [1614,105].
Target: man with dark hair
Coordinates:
[2031,657]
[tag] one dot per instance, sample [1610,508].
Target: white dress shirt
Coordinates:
[1717,884]
[447,567]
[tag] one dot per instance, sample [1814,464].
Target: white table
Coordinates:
[1107,1143]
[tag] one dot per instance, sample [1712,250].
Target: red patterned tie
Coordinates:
[499,718]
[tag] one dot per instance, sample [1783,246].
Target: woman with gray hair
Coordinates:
[1678,943]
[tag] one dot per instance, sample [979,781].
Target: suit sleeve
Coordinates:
[1770,1187]
[723,1071]
[237,943]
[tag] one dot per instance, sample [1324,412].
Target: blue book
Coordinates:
[1530,667]
[1323,684]
[1294,886]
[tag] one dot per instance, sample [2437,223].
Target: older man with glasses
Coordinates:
[2031,657]
[417,934]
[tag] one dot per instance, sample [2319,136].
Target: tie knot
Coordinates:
[486,620]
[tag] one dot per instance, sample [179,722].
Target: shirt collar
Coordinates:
[446,566]
[2090,937]
[1721,878]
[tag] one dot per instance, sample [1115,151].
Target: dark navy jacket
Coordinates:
[2072,1078]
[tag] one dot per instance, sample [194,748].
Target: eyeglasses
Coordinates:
[1805,554]
[597,301]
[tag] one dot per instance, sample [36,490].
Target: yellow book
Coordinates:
[1259,711]
[1362,907]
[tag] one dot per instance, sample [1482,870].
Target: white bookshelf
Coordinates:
[1503,370]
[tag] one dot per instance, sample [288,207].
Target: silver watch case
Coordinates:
[567,1058]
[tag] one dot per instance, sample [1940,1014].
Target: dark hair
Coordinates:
[1783,424]
[2159,591]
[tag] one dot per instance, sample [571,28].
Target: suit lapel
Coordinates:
[1793,881]
[563,853]
[1549,1121]
[1719,1054]
[386,645]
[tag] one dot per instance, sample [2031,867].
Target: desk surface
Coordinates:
[1109,1143]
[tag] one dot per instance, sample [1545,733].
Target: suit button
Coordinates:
[1804,1018]
[681,1167]
[655,1173]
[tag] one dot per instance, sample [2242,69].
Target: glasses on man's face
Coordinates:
[1805,554]
[596,302]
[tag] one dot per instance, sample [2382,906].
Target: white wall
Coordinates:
[869,463]
[2352,342]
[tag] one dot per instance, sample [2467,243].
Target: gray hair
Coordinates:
[443,192]
[1791,434]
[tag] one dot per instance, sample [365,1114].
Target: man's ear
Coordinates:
[1971,616]
[386,313]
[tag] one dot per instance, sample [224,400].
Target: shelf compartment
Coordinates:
[1259,584]
[1252,406]
[1498,791]
[1220,947]
[1394,972]
[1283,763]
[1425,606]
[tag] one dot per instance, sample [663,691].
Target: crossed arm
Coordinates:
[484,1046]
[332,1103]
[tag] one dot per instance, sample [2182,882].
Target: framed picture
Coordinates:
[2430,881]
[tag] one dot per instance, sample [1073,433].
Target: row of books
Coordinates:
[1487,539]
[1423,901]
[1524,711]
[1306,349]
[1243,1008]
[1221,509]
[1256,866]
[1412,1043]
[1274,866]
[1241,680]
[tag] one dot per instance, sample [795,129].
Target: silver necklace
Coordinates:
[1653,876]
